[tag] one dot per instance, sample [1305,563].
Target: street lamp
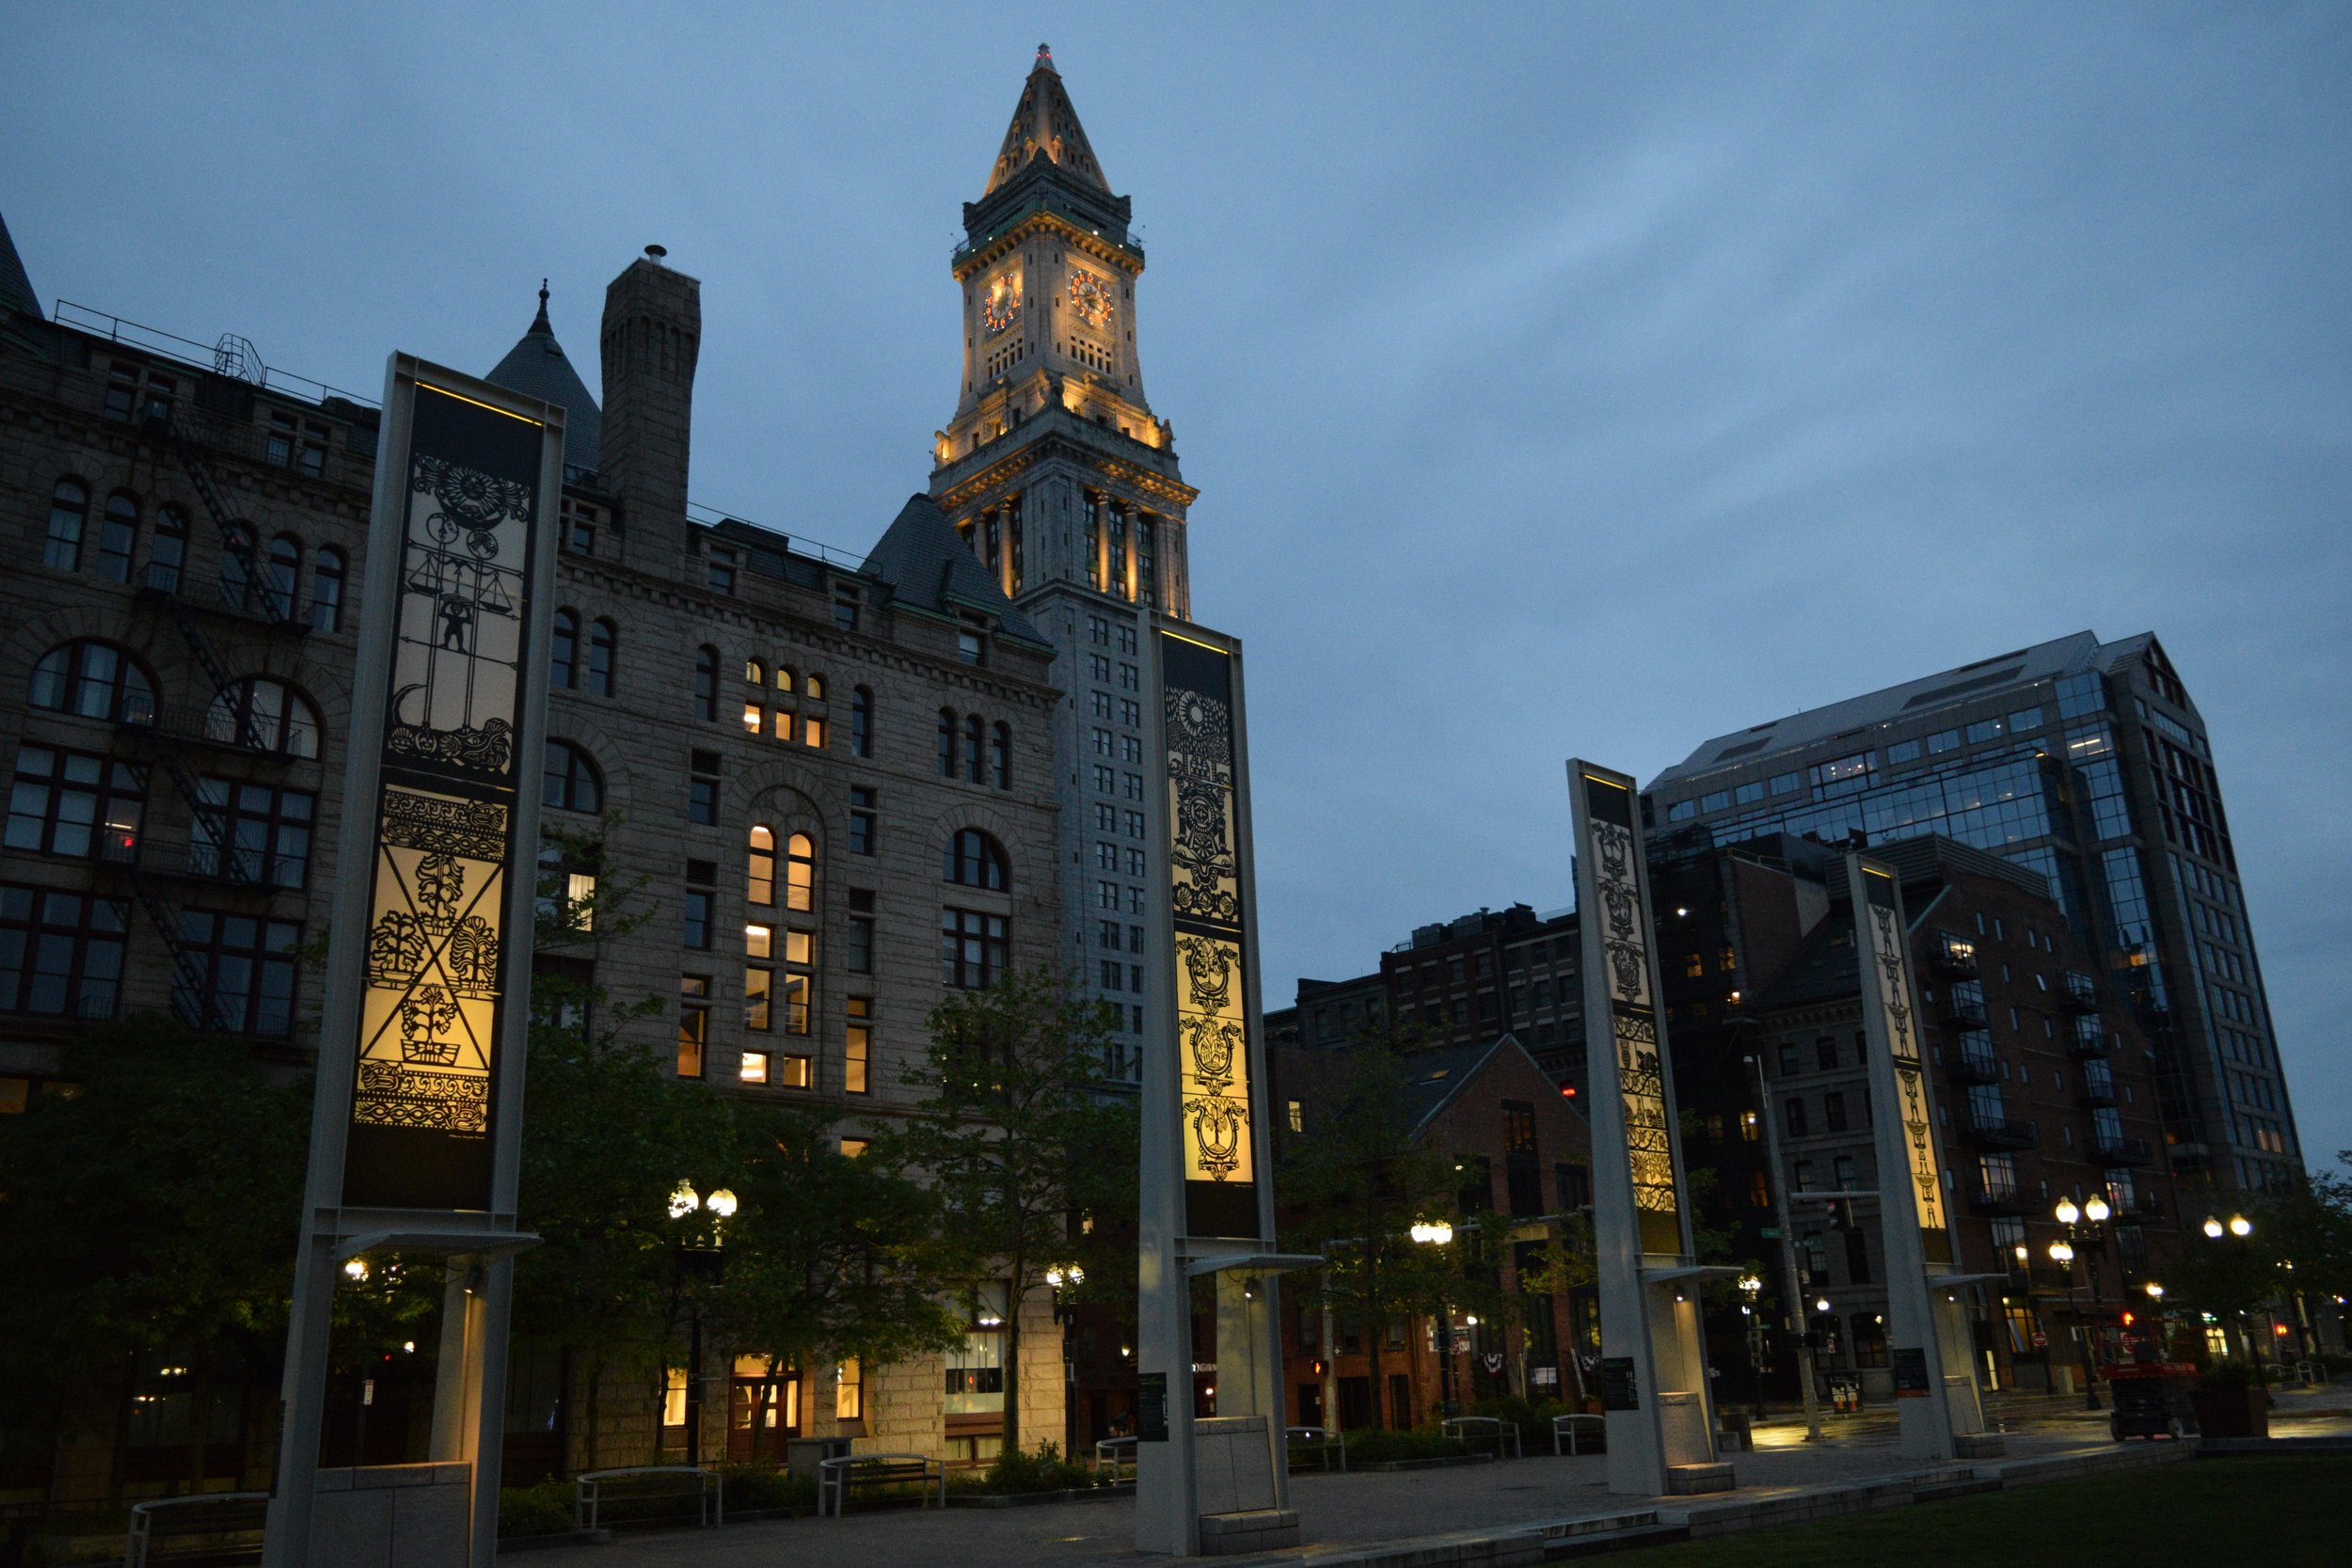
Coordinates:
[697,1261]
[2090,1215]
[1439,1234]
[2239,1228]
[1751,1291]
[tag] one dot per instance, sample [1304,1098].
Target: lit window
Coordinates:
[755,1067]
[760,876]
[799,872]
[857,1047]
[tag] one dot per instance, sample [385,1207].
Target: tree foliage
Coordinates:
[1015,1140]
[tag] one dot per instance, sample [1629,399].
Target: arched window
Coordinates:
[754,696]
[975,859]
[119,536]
[236,565]
[168,556]
[572,781]
[972,730]
[69,509]
[706,682]
[327,591]
[563,661]
[947,743]
[602,637]
[784,678]
[815,689]
[95,680]
[861,722]
[756,674]
[1000,756]
[799,872]
[263,713]
[759,882]
[280,572]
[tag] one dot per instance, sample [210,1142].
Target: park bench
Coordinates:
[1584,1433]
[1115,1452]
[837,1477]
[1476,1429]
[1322,1440]
[210,1526]
[693,1483]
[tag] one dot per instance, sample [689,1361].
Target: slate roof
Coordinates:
[16,288]
[2063,655]
[537,368]
[927,567]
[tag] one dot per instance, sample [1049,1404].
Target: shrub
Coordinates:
[1041,1470]
[1371,1446]
[541,1510]
[750,1487]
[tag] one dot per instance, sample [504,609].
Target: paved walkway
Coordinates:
[1338,1514]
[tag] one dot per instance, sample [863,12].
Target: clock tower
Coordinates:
[1061,480]
[1055,468]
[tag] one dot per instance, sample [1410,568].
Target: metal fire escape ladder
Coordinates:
[208,659]
[165,915]
[235,536]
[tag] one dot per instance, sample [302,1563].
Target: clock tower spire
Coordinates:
[1051,411]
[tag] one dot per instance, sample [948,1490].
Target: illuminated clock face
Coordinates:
[1090,299]
[1001,306]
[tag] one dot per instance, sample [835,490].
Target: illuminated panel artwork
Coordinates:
[1625,926]
[1887,956]
[424,1104]
[1212,1020]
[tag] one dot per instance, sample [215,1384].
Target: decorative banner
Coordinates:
[1887,1000]
[430,1018]
[1219,1122]
[1610,897]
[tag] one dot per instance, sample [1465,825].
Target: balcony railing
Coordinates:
[2001,1198]
[2090,1039]
[2079,993]
[1954,958]
[1965,1012]
[1975,1062]
[2121,1150]
[2095,1089]
[2004,1134]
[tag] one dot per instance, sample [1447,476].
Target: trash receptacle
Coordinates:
[802,1455]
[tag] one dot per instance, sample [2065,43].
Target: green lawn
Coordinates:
[2206,1513]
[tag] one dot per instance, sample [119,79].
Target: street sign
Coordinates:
[2041,1341]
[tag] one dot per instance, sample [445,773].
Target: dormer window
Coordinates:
[971,647]
[723,565]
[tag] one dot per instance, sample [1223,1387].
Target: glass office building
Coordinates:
[2086,762]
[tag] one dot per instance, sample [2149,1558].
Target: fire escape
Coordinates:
[183,741]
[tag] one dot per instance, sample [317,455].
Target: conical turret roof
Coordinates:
[1044,122]
[537,368]
[16,289]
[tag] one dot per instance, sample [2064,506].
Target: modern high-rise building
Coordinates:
[1067,488]
[2084,761]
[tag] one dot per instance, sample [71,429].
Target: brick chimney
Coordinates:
[653,328]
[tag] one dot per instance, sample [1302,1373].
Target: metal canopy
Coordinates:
[450,1244]
[1253,1262]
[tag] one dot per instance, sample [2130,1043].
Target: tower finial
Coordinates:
[542,324]
[1045,58]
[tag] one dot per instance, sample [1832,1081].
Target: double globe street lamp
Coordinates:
[697,1259]
[2090,1215]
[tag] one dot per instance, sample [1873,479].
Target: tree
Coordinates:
[1014,1140]
[1356,1190]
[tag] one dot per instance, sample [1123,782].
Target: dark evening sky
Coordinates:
[1733,360]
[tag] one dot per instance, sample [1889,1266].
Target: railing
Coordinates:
[1322,1440]
[2079,993]
[2004,1134]
[232,356]
[2122,1151]
[1998,1200]
[1467,1427]
[835,1477]
[709,1497]
[208,1514]
[794,544]
[1965,1012]
[1977,1064]
[206,724]
[1108,1450]
[1043,203]
[1579,1430]
[2090,1038]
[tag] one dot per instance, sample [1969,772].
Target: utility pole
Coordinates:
[1795,1298]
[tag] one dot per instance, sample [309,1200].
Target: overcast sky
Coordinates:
[1558,379]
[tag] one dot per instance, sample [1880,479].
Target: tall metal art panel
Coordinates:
[1655,1399]
[415,1124]
[1206,1209]
[1926,1327]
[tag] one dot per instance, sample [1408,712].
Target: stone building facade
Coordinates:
[835,780]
